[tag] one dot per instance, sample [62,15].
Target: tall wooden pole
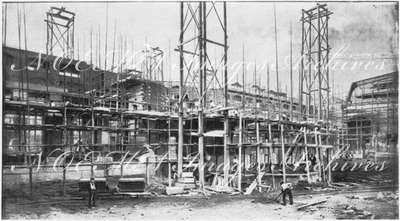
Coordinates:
[291,74]
[258,154]
[226,121]
[309,96]
[243,81]
[113,55]
[276,54]
[306,148]
[321,109]
[276,69]
[181,79]
[202,92]
[169,151]
[317,153]
[301,76]
[283,155]
[328,116]
[271,153]
[92,110]
[27,140]
[240,150]
[204,49]
[105,49]
[99,34]
[269,100]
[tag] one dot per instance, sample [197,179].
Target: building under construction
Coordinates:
[370,114]
[130,128]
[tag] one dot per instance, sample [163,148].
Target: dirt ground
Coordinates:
[360,200]
[364,196]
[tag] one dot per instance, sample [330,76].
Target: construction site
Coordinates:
[197,142]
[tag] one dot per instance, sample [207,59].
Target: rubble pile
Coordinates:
[157,185]
[387,196]
[384,196]
[351,212]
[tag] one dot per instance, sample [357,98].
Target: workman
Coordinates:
[286,189]
[92,193]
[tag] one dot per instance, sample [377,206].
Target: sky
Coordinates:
[362,35]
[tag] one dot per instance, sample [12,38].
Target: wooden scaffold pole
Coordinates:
[169,150]
[240,150]
[243,82]
[306,148]
[269,100]
[258,154]
[202,105]
[92,109]
[226,117]
[291,75]
[181,79]
[283,154]
[270,148]
[27,140]
[317,152]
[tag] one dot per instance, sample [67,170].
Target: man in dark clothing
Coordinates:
[313,159]
[92,193]
[286,189]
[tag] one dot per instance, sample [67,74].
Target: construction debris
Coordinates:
[351,212]
[311,204]
[387,196]
[175,190]
[380,196]
[352,197]
[253,184]
[324,189]
[220,189]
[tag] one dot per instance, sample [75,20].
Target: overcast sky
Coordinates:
[362,32]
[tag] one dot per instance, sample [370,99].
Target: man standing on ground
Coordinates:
[92,193]
[286,189]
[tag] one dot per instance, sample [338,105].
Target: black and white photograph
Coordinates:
[200,110]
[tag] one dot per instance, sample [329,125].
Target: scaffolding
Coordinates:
[370,116]
[276,135]
[198,73]
[78,118]
[60,31]
[153,64]
[314,73]
[99,119]
[70,113]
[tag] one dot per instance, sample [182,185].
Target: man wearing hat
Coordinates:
[92,193]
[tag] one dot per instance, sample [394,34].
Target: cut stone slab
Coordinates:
[174,190]
[186,186]
[187,174]
[186,180]
[380,195]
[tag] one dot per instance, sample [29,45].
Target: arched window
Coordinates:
[286,106]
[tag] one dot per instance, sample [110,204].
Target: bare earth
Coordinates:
[364,204]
